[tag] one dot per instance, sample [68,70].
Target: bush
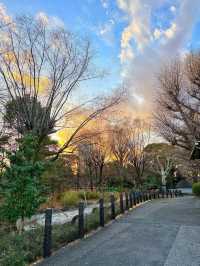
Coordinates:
[89,195]
[20,250]
[70,199]
[63,234]
[196,189]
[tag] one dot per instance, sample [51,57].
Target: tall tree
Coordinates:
[139,136]
[177,117]
[40,69]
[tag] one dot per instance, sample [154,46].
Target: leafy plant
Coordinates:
[70,199]
[196,189]
[22,189]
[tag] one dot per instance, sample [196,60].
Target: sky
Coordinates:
[131,39]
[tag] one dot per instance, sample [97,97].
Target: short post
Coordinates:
[112,204]
[81,220]
[141,198]
[163,194]
[138,198]
[158,194]
[171,194]
[134,199]
[167,193]
[127,205]
[131,199]
[121,203]
[101,212]
[47,233]
[150,197]
[154,195]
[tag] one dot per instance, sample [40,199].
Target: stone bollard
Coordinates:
[47,242]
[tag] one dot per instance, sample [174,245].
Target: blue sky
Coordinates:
[131,38]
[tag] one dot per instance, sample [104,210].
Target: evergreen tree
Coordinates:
[22,188]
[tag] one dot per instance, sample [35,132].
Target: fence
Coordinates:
[105,212]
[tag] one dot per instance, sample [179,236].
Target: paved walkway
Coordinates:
[163,232]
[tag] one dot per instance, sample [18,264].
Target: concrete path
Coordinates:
[162,232]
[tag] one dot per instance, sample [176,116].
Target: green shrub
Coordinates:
[20,250]
[70,199]
[89,195]
[63,234]
[92,220]
[92,195]
[196,189]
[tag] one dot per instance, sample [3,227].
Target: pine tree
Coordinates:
[22,188]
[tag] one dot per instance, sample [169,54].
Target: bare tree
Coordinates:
[120,146]
[139,136]
[177,117]
[40,69]
[94,153]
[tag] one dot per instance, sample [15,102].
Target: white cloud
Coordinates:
[51,21]
[126,54]
[139,24]
[105,31]
[170,32]
[42,17]
[157,34]
[4,17]
[105,3]
[173,9]
[159,45]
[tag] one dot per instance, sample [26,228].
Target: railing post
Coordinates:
[131,199]
[81,230]
[121,203]
[101,212]
[112,204]
[47,233]
[134,199]
[150,197]
[126,197]
[138,198]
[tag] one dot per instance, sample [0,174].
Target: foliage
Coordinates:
[22,189]
[70,199]
[152,181]
[58,176]
[20,250]
[89,195]
[196,189]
